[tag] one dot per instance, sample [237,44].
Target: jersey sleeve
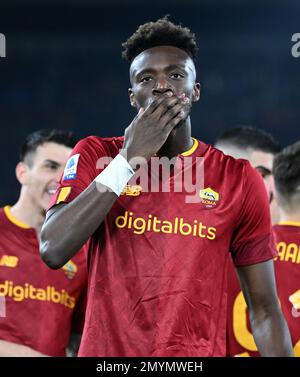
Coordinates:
[253,238]
[79,172]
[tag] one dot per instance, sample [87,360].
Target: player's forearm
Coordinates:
[271,333]
[66,231]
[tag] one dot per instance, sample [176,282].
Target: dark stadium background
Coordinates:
[64,68]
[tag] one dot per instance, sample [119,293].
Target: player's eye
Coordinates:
[145,79]
[263,172]
[52,166]
[177,76]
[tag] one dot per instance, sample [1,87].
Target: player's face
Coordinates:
[263,163]
[159,70]
[43,174]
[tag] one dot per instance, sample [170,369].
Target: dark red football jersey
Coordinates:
[157,264]
[37,303]
[287,272]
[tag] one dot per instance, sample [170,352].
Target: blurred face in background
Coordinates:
[39,174]
[262,162]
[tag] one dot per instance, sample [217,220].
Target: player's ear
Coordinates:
[22,173]
[196,92]
[132,98]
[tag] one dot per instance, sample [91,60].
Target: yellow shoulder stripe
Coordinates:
[291,223]
[64,193]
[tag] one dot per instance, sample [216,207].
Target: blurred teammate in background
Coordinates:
[259,148]
[39,307]
[286,171]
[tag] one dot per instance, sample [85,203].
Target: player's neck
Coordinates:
[27,213]
[179,141]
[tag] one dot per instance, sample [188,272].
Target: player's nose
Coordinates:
[162,86]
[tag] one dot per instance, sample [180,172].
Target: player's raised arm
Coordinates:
[69,224]
[268,325]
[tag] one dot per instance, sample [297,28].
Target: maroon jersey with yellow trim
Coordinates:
[158,265]
[37,303]
[287,270]
[287,273]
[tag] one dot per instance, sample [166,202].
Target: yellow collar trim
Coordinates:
[291,223]
[192,149]
[13,220]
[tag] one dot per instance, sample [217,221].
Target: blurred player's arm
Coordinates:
[69,225]
[268,324]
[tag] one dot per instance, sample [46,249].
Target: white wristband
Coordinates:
[116,175]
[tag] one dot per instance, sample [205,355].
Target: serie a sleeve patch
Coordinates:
[70,171]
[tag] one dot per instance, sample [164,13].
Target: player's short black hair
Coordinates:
[37,138]
[250,137]
[286,171]
[162,32]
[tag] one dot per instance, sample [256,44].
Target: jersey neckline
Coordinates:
[192,149]
[14,220]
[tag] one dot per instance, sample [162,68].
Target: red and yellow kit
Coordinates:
[287,272]
[38,304]
[157,264]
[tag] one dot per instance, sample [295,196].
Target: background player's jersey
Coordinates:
[158,265]
[287,269]
[37,303]
[240,341]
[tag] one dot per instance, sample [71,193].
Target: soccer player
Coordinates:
[286,170]
[259,148]
[38,305]
[158,260]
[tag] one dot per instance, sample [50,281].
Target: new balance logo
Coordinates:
[132,190]
[9,261]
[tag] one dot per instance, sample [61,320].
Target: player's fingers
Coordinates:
[183,101]
[165,106]
[172,112]
[175,120]
[157,101]
[140,112]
